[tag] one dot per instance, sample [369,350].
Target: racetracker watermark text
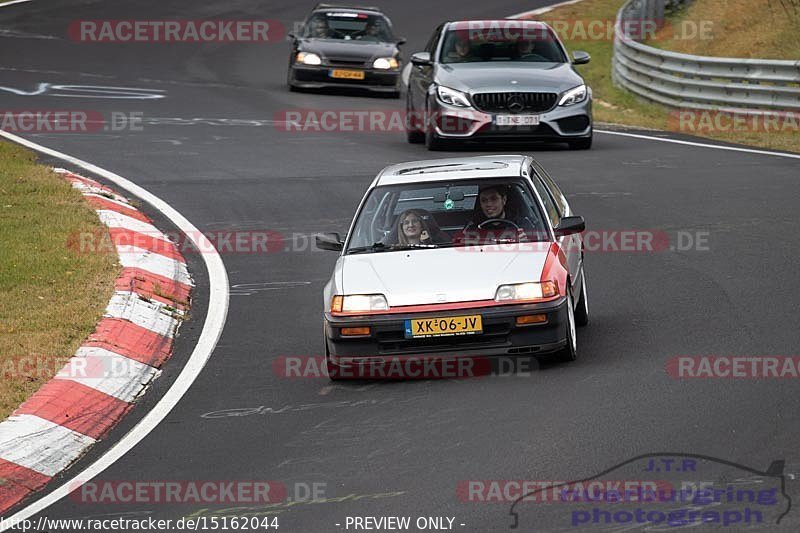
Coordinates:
[69,121]
[176,31]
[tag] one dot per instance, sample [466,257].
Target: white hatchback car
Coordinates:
[451,258]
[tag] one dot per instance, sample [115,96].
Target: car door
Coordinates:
[556,208]
[421,76]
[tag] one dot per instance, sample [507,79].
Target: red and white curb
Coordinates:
[115,364]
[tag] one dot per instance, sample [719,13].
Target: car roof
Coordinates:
[347,8]
[491,23]
[478,167]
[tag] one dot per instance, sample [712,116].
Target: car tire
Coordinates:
[581,144]
[289,82]
[570,352]
[433,142]
[332,370]
[413,135]
[582,309]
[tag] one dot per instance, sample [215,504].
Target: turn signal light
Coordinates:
[355,332]
[527,320]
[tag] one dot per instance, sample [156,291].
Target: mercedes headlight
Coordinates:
[574,96]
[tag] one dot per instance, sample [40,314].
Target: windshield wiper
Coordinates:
[381,247]
[374,247]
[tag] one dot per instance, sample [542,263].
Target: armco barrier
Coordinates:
[699,82]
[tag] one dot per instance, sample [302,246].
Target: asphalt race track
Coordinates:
[212,149]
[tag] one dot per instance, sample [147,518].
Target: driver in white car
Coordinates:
[493,202]
[498,212]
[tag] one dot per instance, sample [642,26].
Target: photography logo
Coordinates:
[672,491]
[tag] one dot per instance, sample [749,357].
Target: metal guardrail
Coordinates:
[696,82]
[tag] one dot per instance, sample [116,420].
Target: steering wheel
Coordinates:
[503,221]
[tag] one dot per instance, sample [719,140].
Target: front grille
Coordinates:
[346,62]
[514,102]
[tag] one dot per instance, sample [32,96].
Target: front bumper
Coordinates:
[501,336]
[557,124]
[317,77]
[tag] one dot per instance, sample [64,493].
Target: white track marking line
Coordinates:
[212,329]
[108,372]
[40,445]
[700,145]
[6,4]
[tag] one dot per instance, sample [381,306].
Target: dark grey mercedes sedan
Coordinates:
[497,80]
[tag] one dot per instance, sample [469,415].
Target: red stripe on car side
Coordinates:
[555,268]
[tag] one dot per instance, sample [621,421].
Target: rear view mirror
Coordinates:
[580,57]
[442,197]
[421,59]
[329,241]
[570,226]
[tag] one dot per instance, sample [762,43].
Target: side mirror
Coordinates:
[401,40]
[580,57]
[422,59]
[570,226]
[329,241]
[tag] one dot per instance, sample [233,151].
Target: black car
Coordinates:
[346,46]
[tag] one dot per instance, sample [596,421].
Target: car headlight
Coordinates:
[574,96]
[359,303]
[307,58]
[452,97]
[386,63]
[526,291]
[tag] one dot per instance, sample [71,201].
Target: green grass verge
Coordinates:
[52,294]
[618,106]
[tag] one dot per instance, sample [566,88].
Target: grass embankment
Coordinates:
[745,31]
[51,294]
[754,29]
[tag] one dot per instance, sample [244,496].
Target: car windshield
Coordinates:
[535,44]
[447,214]
[348,26]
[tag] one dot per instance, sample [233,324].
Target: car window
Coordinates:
[348,26]
[557,195]
[474,46]
[431,46]
[446,210]
[547,200]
